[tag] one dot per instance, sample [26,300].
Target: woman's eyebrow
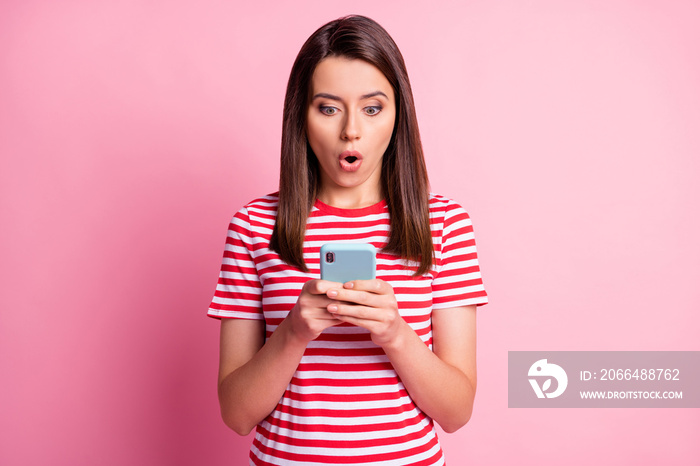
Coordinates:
[335,97]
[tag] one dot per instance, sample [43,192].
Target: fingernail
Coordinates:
[349,285]
[332,308]
[332,294]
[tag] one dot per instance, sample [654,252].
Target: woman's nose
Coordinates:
[351,129]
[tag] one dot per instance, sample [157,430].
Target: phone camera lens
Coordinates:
[330,257]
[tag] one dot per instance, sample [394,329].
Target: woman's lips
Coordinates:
[350,160]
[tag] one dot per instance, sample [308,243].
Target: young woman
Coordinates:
[348,373]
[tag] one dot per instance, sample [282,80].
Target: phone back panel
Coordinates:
[349,261]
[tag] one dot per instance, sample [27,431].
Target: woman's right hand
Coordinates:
[309,316]
[253,372]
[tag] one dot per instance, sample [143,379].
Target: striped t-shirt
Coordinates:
[345,403]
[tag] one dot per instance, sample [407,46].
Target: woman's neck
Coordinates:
[349,198]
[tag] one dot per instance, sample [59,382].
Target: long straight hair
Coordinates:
[404,178]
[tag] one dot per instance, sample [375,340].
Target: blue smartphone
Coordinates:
[344,262]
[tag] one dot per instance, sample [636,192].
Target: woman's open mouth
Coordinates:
[350,160]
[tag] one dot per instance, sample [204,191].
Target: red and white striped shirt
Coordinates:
[345,403]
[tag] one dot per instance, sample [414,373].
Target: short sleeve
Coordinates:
[238,291]
[458,281]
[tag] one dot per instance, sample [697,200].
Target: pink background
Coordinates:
[130,132]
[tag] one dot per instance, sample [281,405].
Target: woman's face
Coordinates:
[349,124]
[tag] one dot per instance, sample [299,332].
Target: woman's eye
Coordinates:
[373,110]
[328,110]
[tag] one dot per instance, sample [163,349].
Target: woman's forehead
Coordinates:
[349,78]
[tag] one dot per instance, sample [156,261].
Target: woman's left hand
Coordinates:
[441,383]
[369,304]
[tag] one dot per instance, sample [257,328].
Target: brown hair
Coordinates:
[404,176]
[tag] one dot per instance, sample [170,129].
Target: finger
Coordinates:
[327,316]
[323,314]
[377,286]
[358,297]
[320,286]
[313,301]
[317,314]
[343,311]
